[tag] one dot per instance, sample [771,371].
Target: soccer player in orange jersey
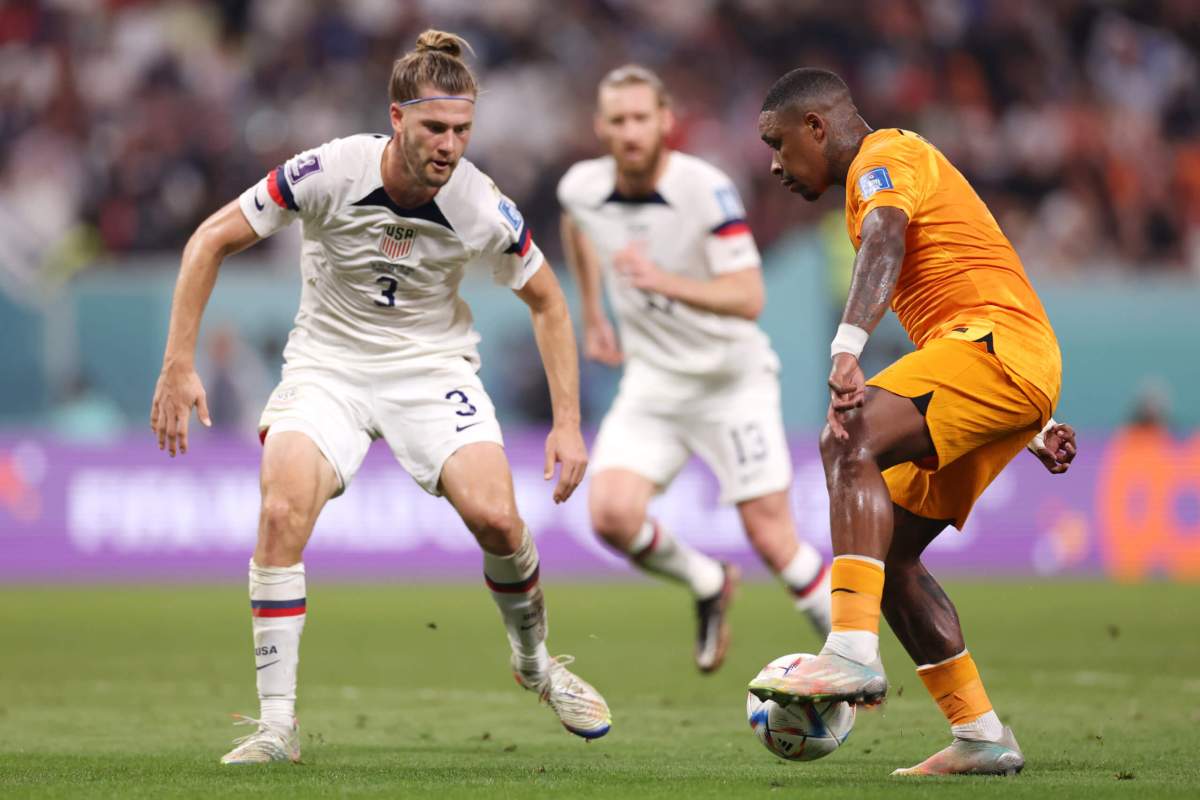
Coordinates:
[908,452]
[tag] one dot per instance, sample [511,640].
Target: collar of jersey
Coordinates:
[653,197]
[428,212]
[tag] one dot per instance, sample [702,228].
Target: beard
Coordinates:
[643,164]
[422,169]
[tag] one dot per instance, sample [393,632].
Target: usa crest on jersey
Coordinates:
[397,241]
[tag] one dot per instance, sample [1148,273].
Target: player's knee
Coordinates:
[616,523]
[842,458]
[497,527]
[282,527]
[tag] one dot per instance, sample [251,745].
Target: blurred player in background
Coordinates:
[383,347]
[669,235]
[910,451]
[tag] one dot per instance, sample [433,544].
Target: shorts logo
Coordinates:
[874,181]
[286,393]
[511,213]
[397,241]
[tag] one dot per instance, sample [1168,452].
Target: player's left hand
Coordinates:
[565,446]
[1057,449]
[847,391]
[640,271]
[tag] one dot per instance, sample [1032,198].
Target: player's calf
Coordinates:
[799,567]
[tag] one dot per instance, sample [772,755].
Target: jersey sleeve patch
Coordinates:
[729,203]
[511,214]
[874,181]
[302,167]
[280,191]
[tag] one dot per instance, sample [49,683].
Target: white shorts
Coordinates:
[423,410]
[736,428]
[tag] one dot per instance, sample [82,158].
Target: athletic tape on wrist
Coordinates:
[1039,441]
[850,339]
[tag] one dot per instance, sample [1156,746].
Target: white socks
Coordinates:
[514,583]
[278,603]
[806,578]
[860,646]
[982,729]
[655,550]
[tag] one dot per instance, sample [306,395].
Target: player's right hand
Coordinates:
[600,344]
[847,391]
[1057,449]
[178,391]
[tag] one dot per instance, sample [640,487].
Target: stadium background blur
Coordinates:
[125,123]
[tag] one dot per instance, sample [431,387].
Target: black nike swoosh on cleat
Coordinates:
[461,428]
[264,666]
[257,204]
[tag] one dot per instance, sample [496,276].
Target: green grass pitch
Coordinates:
[405,691]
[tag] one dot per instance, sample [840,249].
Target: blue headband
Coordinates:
[438,97]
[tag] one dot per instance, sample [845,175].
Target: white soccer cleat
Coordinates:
[580,708]
[267,744]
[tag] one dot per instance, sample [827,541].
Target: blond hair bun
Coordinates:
[451,44]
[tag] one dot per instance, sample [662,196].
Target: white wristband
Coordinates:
[1039,441]
[850,339]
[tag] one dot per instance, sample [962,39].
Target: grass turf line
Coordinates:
[124,692]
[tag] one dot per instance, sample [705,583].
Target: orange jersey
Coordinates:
[961,278]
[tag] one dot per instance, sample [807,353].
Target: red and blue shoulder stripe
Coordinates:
[281,193]
[524,241]
[731,227]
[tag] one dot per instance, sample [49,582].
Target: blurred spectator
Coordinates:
[85,414]
[235,382]
[124,123]
[1151,407]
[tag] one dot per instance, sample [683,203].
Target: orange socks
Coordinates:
[856,589]
[856,586]
[956,688]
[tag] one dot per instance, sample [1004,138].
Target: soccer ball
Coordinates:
[798,732]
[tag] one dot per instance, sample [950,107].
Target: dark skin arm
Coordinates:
[876,271]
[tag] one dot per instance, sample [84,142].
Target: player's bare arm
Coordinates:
[599,338]
[223,234]
[733,294]
[876,271]
[556,343]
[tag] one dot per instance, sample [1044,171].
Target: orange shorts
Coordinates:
[979,417]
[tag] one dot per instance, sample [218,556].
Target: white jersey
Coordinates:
[380,282]
[694,225]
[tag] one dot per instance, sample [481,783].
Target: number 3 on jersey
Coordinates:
[389,291]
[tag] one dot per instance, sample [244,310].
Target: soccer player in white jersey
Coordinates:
[383,347]
[668,233]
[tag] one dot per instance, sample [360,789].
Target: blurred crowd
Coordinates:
[124,123]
